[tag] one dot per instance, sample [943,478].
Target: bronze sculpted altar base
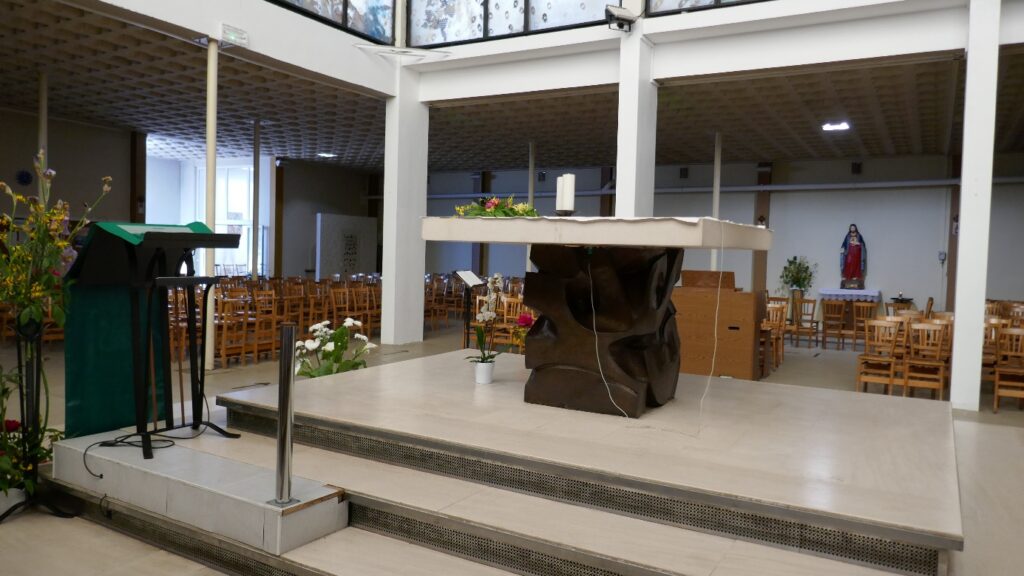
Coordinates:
[637,344]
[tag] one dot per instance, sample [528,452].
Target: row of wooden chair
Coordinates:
[908,351]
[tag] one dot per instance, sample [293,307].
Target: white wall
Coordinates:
[81,155]
[310,188]
[904,230]
[163,191]
[1005,253]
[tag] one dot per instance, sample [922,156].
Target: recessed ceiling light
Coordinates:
[827,127]
[326,155]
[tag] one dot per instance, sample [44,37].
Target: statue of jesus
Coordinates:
[853,259]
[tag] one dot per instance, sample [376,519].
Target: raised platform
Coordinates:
[864,478]
[205,491]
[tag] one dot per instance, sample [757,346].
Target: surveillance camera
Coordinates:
[619,18]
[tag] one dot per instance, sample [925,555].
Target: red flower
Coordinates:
[491,204]
[11,425]
[525,320]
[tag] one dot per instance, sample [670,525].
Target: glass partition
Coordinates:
[442,22]
[655,7]
[371,19]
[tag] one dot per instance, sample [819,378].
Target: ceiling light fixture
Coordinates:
[827,127]
[326,155]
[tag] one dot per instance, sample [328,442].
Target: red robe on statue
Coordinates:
[852,262]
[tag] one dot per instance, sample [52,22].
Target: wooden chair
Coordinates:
[232,329]
[833,321]
[265,337]
[928,307]
[943,316]
[891,308]
[925,366]
[506,324]
[1016,315]
[340,305]
[362,307]
[862,312]
[910,313]
[1009,369]
[804,322]
[990,349]
[878,364]
[775,321]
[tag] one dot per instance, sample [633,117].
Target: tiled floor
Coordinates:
[990,453]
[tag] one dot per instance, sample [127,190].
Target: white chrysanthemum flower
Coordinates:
[312,345]
[350,322]
[300,344]
[361,337]
[329,347]
[369,346]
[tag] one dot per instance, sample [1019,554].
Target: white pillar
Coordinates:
[255,198]
[975,202]
[211,181]
[44,112]
[405,203]
[716,190]
[638,125]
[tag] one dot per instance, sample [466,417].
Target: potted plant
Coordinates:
[332,351]
[35,252]
[484,359]
[797,275]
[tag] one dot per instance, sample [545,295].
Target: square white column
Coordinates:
[975,202]
[405,203]
[638,126]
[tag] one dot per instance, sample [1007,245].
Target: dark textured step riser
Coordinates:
[894,551]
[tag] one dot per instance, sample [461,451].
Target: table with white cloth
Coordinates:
[851,295]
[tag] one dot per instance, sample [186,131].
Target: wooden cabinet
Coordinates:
[739,321]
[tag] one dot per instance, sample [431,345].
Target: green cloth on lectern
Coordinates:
[133,233]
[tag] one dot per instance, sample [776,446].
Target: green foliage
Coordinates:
[21,451]
[486,355]
[332,351]
[495,208]
[797,273]
[38,249]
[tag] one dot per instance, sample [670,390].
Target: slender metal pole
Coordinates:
[716,190]
[531,185]
[285,415]
[211,183]
[255,199]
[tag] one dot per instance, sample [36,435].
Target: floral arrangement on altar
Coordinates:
[798,274]
[332,351]
[494,207]
[486,318]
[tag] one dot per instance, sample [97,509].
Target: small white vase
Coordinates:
[13,496]
[484,372]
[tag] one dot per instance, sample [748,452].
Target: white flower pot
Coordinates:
[484,372]
[13,497]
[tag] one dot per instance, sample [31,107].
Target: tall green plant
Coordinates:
[797,273]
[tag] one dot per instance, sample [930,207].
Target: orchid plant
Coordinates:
[486,318]
[332,351]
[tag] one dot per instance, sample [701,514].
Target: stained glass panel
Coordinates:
[506,17]
[555,13]
[442,21]
[332,9]
[372,17]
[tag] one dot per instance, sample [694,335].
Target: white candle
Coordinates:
[565,195]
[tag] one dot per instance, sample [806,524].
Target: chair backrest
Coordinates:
[1011,347]
[1015,313]
[264,301]
[910,313]
[833,309]
[943,315]
[928,307]
[882,337]
[927,341]
[891,308]
[776,316]
[864,310]
[807,308]
[992,308]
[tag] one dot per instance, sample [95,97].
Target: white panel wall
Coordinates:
[737,207]
[1005,254]
[163,191]
[904,231]
[310,188]
[81,154]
